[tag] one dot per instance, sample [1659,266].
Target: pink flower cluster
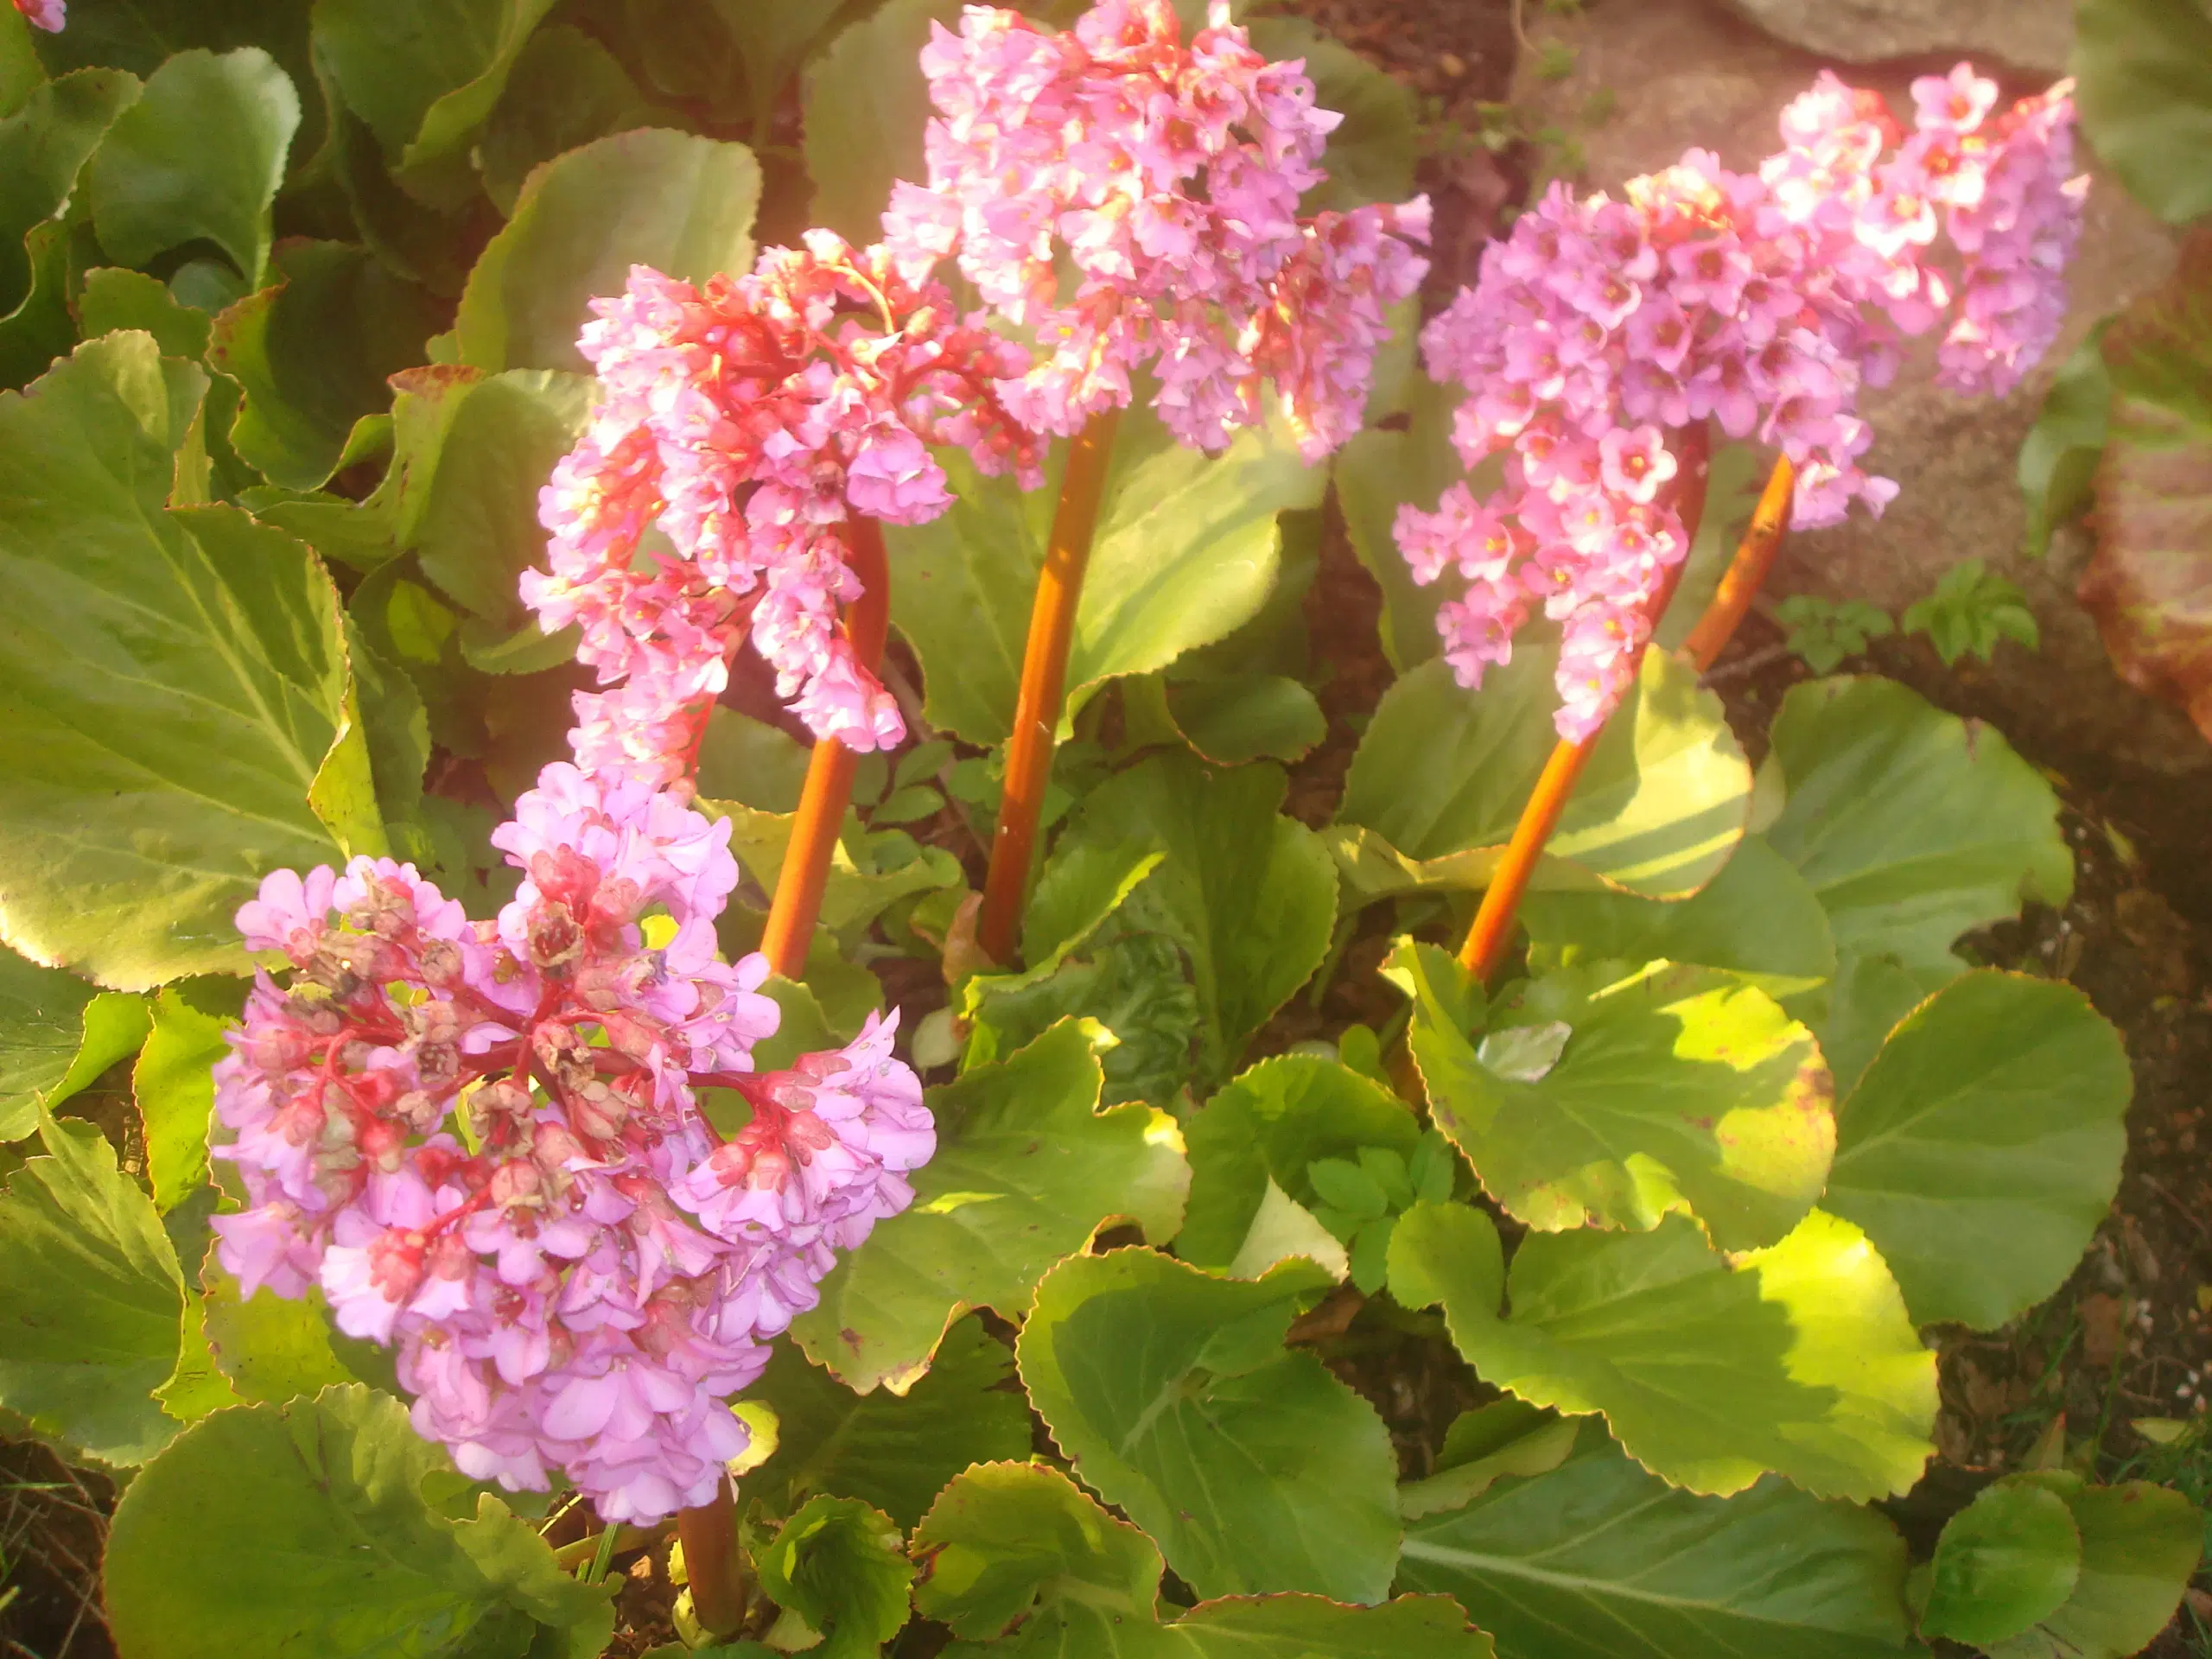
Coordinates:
[1763,302]
[483,1142]
[49,15]
[739,427]
[1168,177]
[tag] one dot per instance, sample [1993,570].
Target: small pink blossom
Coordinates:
[49,15]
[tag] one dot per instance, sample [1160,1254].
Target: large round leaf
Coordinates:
[1186,552]
[1912,826]
[44,147]
[1026,1170]
[1674,1090]
[2005,1561]
[1254,1468]
[678,202]
[2145,68]
[1598,1559]
[300,1532]
[170,682]
[1983,1146]
[1442,774]
[1797,1360]
[1017,1548]
[1757,919]
[90,1301]
[856,147]
[198,157]
[2140,1546]
[41,1018]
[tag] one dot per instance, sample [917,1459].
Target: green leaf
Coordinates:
[300,1530]
[1970,610]
[1442,773]
[198,157]
[1711,1371]
[852,898]
[312,354]
[1679,1089]
[1231,721]
[673,200]
[2148,582]
[896,1453]
[2059,456]
[174,1092]
[1273,1123]
[21,72]
[2140,1545]
[565,90]
[90,1301]
[1912,826]
[470,453]
[2007,1560]
[2144,74]
[1253,1468]
[424,75]
[1131,986]
[1825,634]
[1018,1547]
[170,680]
[856,146]
[1983,1145]
[42,1021]
[839,1564]
[116,1024]
[1598,1560]
[1757,919]
[114,298]
[1247,893]
[1186,552]
[1377,473]
[270,1348]
[1026,1170]
[44,147]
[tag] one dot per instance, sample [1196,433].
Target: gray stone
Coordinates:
[2036,36]
[1681,73]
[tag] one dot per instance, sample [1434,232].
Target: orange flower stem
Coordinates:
[1044,685]
[1492,928]
[1747,571]
[708,1535]
[829,789]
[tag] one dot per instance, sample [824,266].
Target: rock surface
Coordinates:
[2034,36]
[1681,72]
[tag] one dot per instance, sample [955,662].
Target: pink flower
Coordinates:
[747,423]
[49,15]
[1764,303]
[1166,174]
[481,1141]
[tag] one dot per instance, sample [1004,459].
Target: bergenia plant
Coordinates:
[573,1151]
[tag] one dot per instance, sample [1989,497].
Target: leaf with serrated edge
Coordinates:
[90,1301]
[2007,1560]
[1441,773]
[1797,1359]
[42,1021]
[1026,1170]
[172,1085]
[839,1565]
[171,680]
[1017,1548]
[1253,1467]
[1679,1089]
[1598,1560]
[1912,826]
[896,1453]
[300,1532]
[1984,1144]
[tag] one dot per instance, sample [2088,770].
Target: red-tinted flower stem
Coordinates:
[829,789]
[1493,925]
[1044,685]
[708,1535]
[1747,571]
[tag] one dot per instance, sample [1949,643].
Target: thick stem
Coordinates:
[1493,925]
[1043,684]
[708,1535]
[828,790]
[1747,571]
